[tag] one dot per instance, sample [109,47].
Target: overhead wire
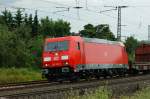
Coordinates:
[67,6]
[43,11]
[126,18]
[127,30]
[83,9]
[14,7]
[56,3]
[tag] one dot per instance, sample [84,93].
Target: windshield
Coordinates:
[57,46]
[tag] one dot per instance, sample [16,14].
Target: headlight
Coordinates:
[64,57]
[46,59]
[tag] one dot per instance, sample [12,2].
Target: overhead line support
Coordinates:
[119,22]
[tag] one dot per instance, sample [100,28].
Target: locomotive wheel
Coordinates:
[97,77]
[74,79]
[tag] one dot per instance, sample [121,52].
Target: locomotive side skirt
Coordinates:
[86,67]
[101,66]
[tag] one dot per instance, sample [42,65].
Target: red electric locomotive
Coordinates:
[74,57]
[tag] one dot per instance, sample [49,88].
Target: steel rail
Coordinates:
[79,85]
[41,83]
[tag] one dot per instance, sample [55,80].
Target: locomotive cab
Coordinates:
[60,56]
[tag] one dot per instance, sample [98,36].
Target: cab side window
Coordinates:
[78,46]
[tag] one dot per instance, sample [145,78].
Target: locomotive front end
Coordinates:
[56,58]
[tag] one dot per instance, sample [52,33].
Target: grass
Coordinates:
[103,93]
[143,94]
[100,93]
[12,75]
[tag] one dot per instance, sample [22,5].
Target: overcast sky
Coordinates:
[136,17]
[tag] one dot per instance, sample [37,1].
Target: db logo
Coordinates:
[105,54]
[56,58]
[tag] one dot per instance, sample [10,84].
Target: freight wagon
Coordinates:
[75,57]
[142,57]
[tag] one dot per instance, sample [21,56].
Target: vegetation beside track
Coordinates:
[13,75]
[142,94]
[103,93]
[100,93]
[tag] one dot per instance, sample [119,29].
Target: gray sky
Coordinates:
[136,17]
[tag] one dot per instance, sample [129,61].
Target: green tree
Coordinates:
[23,32]
[47,27]
[26,18]
[51,28]
[18,17]
[88,31]
[10,21]
[100,31]
[131,44]
[3,44]
[62,28]
[5,16]
[35,25]
[7,19]
[36,45]
[14,51]
[1,20]
[89,26]
[103,32]
[30,20]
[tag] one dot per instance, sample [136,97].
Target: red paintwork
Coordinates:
[105,54]
[73,53]
[89,53]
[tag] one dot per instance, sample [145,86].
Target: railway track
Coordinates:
[20,85]
[32,84]
[29,84]
[56,89]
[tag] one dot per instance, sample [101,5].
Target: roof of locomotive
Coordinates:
[102,41]
[57,38]
[92,40]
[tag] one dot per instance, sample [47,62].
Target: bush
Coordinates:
[14,50]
